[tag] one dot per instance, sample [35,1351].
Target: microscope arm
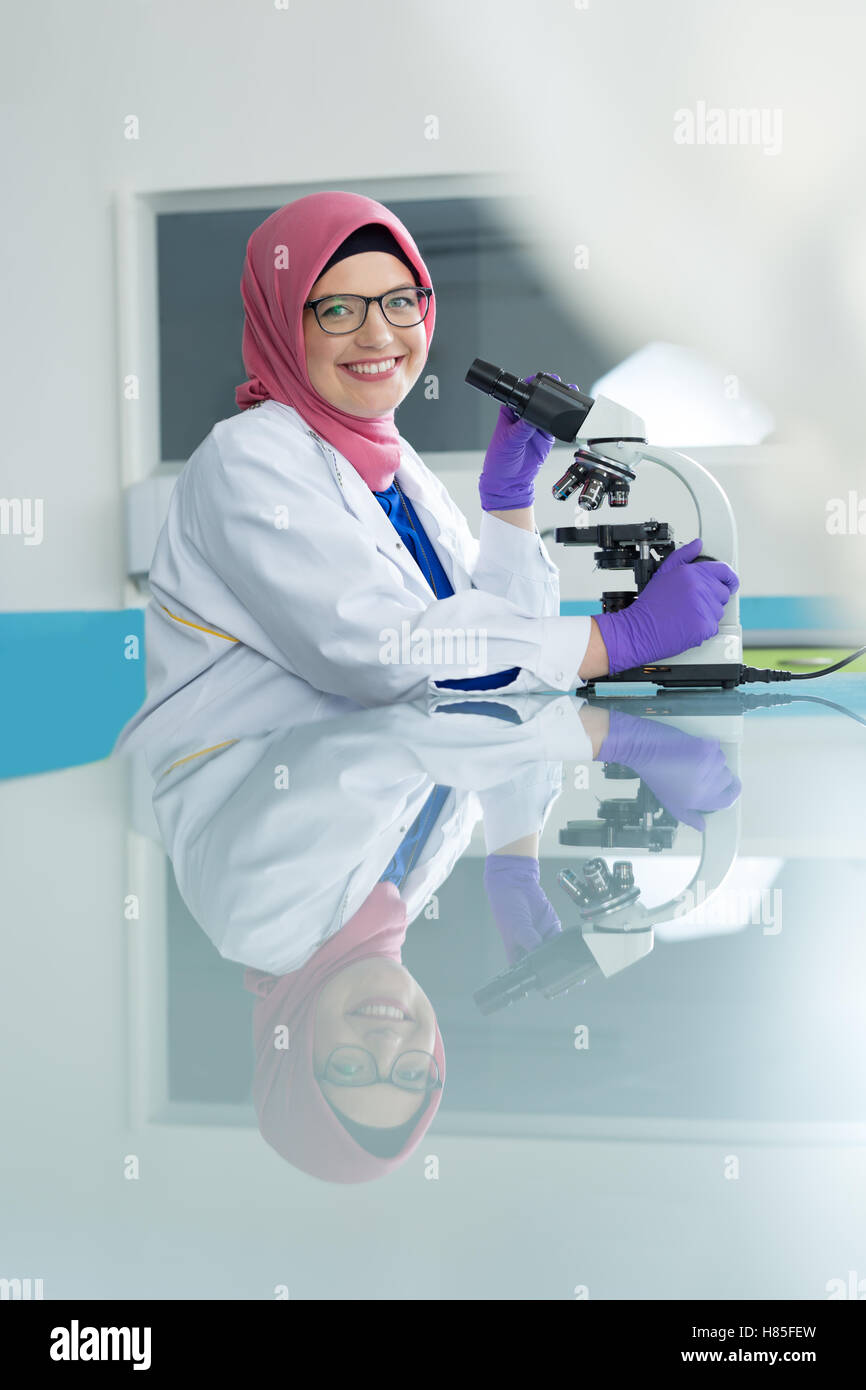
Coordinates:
[719,843]
[716,524]
[624,937]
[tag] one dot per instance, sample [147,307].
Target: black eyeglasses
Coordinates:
[344,313]
[355,1066]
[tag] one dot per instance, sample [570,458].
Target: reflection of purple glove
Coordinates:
[687,774]
[680,607]
[512,462]
[520,909]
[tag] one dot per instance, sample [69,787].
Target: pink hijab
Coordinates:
[283,261]
[293,1115]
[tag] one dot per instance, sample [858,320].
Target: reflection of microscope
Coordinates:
[611,441]
[614,928]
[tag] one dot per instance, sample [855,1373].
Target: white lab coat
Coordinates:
[270,874]
[273,540]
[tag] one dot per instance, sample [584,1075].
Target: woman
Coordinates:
[308,529]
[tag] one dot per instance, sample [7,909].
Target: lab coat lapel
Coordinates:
[361,502]
[365,507]
[436,514]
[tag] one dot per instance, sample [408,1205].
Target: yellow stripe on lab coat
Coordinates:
[197,626]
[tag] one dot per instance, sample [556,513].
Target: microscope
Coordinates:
[613,927]
[611,443]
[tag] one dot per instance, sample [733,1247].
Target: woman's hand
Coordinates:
[680,607]
[688,775]
[519,904]
[512,462]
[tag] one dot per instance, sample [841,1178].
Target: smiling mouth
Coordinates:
[383,366]
[389,1011]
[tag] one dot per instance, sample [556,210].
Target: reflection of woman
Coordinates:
[308,529]
[311,879]
[350,1088]
[304,841]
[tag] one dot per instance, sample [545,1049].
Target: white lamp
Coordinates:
[685,400]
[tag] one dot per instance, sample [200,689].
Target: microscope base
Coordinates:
[720,676]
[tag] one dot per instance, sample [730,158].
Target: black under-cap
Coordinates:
[371,237]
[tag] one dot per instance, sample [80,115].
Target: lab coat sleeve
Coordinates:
[520,806]
[515,564]
[331,606]
[506,559]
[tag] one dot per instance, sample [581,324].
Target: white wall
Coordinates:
[754,259]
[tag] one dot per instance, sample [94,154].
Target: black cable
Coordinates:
[753,673]
[819,700]
[810,675]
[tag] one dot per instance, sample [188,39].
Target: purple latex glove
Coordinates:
[680,607]
[687,774]
[514,457]
[520,908]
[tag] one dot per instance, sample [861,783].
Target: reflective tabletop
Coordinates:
[538,997]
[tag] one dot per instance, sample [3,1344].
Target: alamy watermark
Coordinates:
[438,646]
[745,125]
[76,1343]
[733,907]
[16,1290]
[22,516]
[846,516]
[852,1287]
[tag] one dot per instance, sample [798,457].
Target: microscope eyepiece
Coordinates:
[545,402]
[502,386]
